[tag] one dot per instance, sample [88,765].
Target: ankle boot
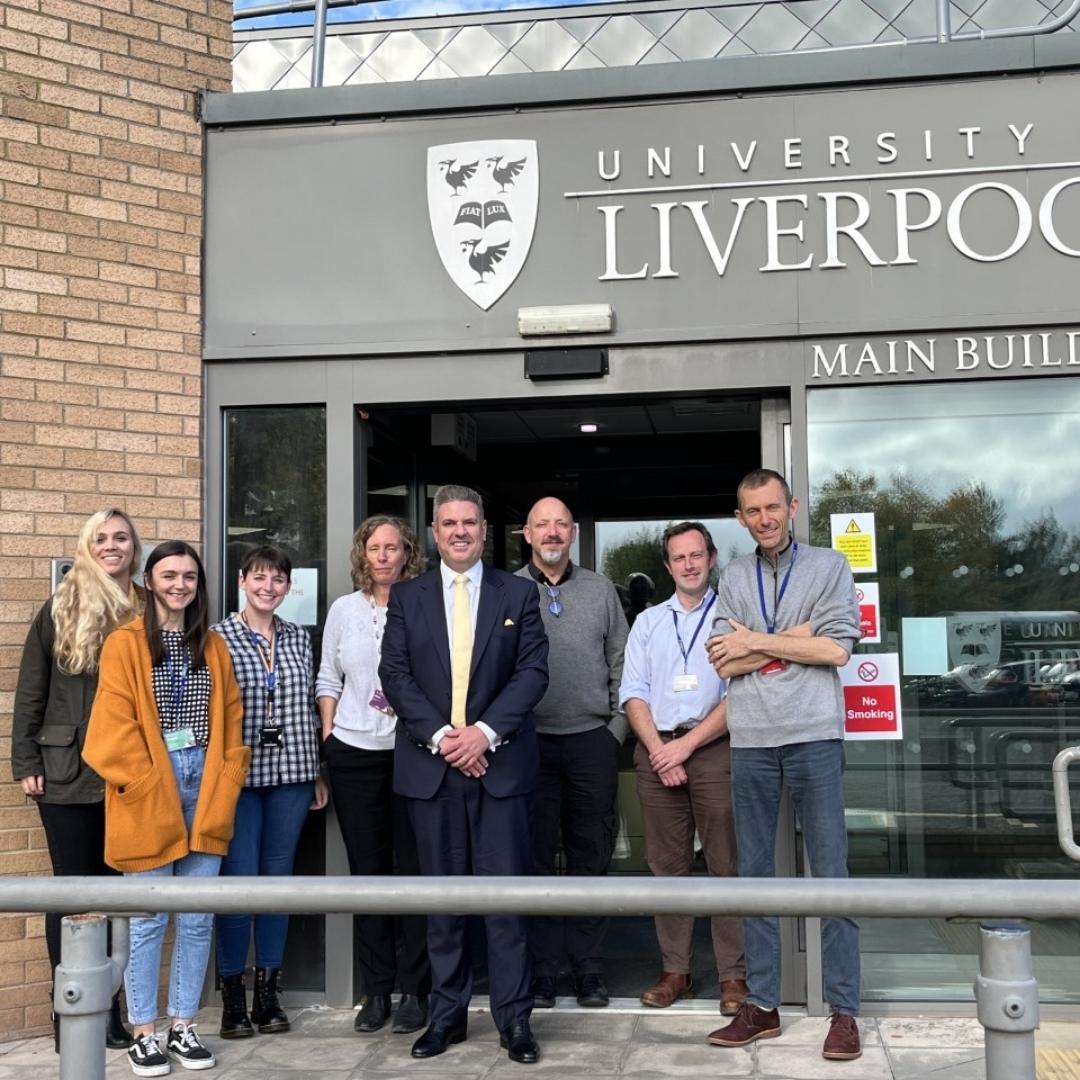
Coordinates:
[234,1015]
[117,1037]
[266,1012]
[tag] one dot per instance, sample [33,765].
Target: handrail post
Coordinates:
[84,983]
[318,47]
[1062,802]
[1007,1000]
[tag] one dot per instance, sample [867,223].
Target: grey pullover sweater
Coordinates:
[585,656]
[803,703]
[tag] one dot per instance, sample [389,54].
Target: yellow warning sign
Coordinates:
[854,536]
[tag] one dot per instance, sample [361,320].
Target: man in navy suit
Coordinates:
[464,662]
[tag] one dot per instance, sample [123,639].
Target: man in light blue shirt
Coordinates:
[674,701]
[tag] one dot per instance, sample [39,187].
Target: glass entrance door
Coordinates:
[977,510]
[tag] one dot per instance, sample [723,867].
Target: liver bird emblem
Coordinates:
[505,174]
[459,177]
[482,200]
[483,262]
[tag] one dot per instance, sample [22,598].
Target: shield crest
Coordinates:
[974,647]
[482,203]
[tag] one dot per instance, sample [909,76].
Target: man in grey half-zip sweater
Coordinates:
[786,620]
[579,730]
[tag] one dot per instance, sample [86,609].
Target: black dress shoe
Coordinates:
[436,1039]
[591,991]
[373,1013]
[411,1015]
[517,1040]
[543,992]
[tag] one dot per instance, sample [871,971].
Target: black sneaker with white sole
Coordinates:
[145,1057]
[186,1047]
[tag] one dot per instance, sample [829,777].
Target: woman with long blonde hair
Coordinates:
[56,687]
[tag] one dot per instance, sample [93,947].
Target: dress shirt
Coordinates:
[653,659]
[349,672]
[474,576]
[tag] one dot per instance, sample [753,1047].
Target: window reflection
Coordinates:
[978,526]
[275,493]
[628,552]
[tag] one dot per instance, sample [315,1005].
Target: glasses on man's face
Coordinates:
[553,600]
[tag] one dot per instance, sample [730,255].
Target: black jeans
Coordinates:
[379,836]
[75,834]
[574,809]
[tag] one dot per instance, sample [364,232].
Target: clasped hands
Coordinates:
[465,748]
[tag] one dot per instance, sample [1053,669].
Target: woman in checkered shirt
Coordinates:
[273,663]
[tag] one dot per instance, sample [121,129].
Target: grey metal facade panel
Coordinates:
[330,252]
[620,35]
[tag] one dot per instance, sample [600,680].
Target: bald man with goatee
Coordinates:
[580,728]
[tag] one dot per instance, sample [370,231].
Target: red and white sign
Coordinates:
[871,683]
[866,592]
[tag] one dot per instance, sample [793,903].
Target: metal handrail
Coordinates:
[1062,803]
[974,898]
[1006,992]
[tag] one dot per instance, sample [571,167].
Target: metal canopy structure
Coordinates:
[613,35]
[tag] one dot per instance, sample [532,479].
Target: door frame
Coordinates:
[346,386]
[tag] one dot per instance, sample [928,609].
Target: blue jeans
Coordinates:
[267,831]
[191,947]
[813,774]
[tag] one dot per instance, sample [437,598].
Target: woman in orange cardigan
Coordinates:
[165,735]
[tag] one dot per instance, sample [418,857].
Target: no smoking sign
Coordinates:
[872,697]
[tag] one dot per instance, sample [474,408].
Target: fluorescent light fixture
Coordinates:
[566,319]
[587,429]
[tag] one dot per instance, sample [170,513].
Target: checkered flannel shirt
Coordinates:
[297,760]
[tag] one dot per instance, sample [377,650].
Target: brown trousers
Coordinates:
[671,816]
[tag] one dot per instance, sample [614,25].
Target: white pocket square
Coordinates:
[509,622]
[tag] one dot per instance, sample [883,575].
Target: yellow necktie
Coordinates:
[460,652]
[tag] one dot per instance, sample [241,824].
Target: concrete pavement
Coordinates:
[621,1041]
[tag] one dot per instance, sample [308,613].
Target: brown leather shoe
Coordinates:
[668,990]
[842,1042]
[750,1024]
[732,994]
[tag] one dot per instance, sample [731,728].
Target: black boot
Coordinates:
[234,1015]
[266,1012]
[117,1037]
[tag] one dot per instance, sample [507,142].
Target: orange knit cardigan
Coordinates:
[144,822]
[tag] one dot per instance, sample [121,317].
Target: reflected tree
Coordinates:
[952,552]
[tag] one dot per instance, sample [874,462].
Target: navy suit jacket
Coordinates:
[507,679]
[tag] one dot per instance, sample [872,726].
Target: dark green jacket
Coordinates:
[51,713]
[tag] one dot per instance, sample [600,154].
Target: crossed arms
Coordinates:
[743,650]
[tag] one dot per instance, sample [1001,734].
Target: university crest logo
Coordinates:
[482,203]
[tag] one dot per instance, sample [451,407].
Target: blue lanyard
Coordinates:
[178,679]
[678,637]
[771,626]
[268,662]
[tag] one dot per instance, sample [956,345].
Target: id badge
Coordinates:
[179,739]
[271,736]
[682,683]
[378,701]
[772,667]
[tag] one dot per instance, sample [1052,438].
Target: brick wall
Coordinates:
[100,377]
